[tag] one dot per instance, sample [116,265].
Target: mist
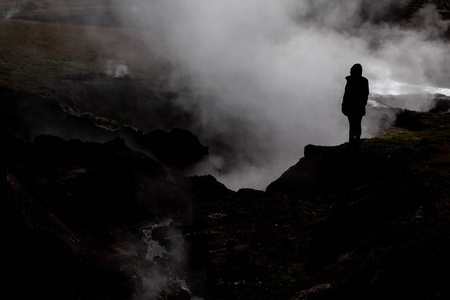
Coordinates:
[265,77]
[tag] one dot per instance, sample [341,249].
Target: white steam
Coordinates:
[267,76]
[156,283]
[116,70]
[8,14]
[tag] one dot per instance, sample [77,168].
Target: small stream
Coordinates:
[155,250]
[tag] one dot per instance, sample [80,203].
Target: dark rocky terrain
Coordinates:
[98,207]
[369,223]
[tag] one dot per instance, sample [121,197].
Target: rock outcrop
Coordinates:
[370,223]
[74,210]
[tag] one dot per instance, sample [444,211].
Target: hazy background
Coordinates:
[264,78]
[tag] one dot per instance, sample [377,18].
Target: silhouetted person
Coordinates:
[355,101]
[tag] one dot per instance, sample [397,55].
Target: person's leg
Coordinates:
[351,131]
[357,127]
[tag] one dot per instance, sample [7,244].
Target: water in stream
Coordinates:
[155,250]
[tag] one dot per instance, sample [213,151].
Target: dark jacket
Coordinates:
[355,95]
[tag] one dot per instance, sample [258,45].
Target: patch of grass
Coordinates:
[436,146]
[32,52]
[398,138]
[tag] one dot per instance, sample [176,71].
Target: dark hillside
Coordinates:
[340,224]
[74,211]
[365,224]
[384,212]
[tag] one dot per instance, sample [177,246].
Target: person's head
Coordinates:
[356,70]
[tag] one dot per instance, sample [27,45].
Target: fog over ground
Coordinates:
[266,77]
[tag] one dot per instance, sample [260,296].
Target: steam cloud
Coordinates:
[267,77]
[10,13]
[116,70]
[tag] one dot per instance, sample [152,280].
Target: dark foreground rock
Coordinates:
[178,148]
[343,223]
[47,259]
[74,210]
[28,115]
[357,223]
[383,211]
